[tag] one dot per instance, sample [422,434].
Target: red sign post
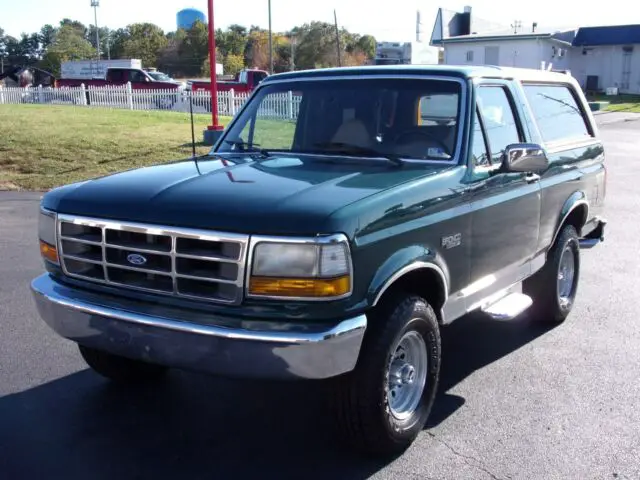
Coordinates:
[213,131]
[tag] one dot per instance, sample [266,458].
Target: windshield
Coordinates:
[159,76]
[408,118]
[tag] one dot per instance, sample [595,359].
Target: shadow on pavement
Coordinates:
[471,343]
[193,426]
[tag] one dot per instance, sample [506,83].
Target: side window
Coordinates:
[557,113]
[479,146]
[499,120]
[114,75]
[259,77]
[136,76]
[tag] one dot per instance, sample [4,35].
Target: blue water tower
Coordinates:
[187,17]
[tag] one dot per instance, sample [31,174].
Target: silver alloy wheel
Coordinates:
[566,275]
[407,375]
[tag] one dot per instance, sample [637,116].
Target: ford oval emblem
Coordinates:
[136,259]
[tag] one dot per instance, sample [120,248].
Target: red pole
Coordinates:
[212,64]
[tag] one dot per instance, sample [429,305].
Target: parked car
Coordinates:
[335,245]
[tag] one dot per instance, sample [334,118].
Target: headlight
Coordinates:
[320,270]
[47,236]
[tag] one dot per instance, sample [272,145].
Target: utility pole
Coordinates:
[335,19]
[270,43]
[293,53]
[95,4]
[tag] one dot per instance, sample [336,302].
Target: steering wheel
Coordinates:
[416,133]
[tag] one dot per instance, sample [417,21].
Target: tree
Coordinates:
[67,46]
[232,41]
[193,48]
[233,64]
[3,49]
[367,45]
[146,42]
[47,36]
[206,70]
[79,27]
[117,39]
[316,46]
[256,53]
[105,39]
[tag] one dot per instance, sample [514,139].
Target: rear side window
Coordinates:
[557,114]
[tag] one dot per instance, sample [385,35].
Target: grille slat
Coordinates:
[180,262]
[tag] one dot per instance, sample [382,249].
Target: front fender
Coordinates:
[401,262]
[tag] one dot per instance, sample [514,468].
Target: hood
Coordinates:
[280,195]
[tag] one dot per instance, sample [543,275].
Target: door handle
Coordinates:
[532,177]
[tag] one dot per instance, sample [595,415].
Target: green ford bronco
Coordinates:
[341,219]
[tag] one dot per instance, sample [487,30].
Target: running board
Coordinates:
[508,307]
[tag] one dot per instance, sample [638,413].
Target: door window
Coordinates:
[136,76]
[499,120]
[114,75]
[479,146]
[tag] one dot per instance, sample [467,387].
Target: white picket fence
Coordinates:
[275,106]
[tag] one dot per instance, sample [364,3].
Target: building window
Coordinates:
[470,56]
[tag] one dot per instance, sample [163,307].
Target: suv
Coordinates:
[332,230]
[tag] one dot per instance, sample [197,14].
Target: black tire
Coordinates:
[121,369]
[362,401]
[548,305]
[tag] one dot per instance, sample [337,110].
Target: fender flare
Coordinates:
[576,200]
[402,262]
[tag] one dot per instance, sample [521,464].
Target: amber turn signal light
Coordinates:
[300,287]
[48,252]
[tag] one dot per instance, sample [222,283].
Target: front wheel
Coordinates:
[384,403]
[554,287]
[120,369]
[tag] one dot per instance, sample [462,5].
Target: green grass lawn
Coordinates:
[44,146]
[618,103]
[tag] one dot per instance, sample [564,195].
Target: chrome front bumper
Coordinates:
[199,341]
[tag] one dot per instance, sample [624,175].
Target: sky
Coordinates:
[387,20]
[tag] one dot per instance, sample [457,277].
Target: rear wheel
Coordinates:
[554,288]
[384,403]
[120,369]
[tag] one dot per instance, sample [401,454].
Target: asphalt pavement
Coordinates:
[517,400]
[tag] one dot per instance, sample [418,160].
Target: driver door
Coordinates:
[505,206]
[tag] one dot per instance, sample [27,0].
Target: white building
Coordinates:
[598,57]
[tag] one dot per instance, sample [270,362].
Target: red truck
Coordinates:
[244,81]
[140,79]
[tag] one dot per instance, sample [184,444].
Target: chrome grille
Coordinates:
[181,262]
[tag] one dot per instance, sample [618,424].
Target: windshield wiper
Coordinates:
[348,148]
[242,147]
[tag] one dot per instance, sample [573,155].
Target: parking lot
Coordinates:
[517,400]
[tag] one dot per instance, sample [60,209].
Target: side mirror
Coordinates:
[524,157]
